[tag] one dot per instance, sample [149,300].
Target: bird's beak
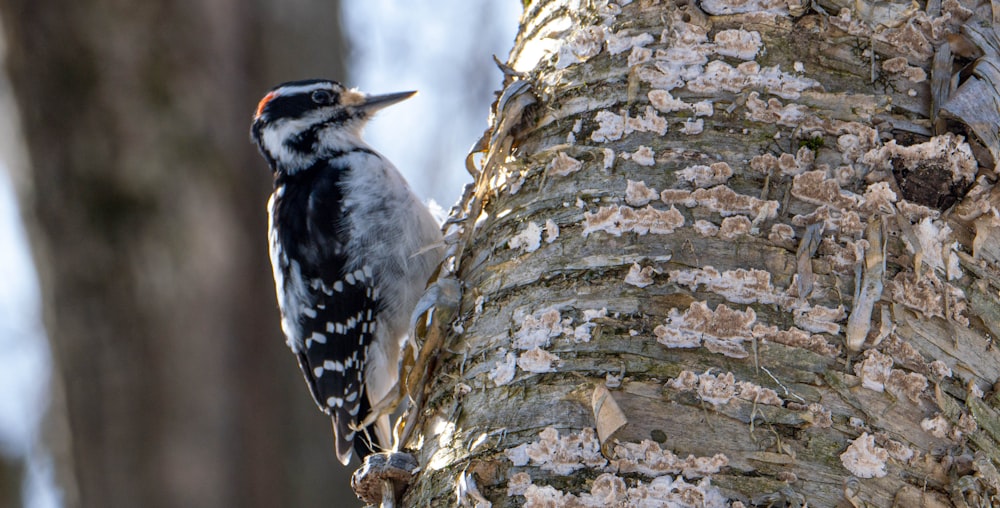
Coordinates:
[373,103]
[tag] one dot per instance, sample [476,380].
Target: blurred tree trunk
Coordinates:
[145,205]
[732,260]
[11,476]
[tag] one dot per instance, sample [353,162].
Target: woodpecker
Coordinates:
[351,248]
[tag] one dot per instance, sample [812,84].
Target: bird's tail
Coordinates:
[349,439]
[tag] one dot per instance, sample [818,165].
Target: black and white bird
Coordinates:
[351,248]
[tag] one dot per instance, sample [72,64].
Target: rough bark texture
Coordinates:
[146,209]
[729,262]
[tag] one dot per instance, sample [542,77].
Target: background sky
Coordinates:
[442,49]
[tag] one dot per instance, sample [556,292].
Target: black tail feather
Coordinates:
[365,441]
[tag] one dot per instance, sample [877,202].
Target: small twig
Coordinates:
[388,494]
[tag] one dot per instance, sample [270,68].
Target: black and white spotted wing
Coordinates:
[336,345]
[328,309]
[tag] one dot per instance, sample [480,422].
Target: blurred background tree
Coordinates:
[144,210]
[144,203]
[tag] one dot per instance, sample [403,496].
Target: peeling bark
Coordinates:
[793,268]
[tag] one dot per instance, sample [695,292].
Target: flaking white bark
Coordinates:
[791,265]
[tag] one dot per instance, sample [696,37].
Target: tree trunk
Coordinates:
[11,476]
[732,260]
[146,209]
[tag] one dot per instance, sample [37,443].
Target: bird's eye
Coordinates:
[322,97]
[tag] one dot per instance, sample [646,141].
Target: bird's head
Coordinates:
[300,121]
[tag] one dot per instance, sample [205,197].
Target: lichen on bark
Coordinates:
[729,259]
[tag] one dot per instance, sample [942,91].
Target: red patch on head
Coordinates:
[263,103]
